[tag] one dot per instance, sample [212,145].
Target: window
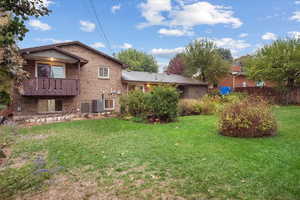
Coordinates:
[50,105]
[57,72]
[45,70]
[103,72]
[132,87]
[109,104]
[260,84]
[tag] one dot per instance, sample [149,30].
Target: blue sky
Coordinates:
[163,27]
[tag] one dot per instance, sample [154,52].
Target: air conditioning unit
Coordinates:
[85,108]
[97,106]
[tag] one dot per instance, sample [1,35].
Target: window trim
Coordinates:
[109,109]
[108,73]
[56,64]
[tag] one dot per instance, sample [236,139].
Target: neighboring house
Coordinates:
[72,77]
[237,78]
[190,88]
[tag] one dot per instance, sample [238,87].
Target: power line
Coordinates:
[100,26]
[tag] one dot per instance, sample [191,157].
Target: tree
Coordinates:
[278,62]
[226,54]
[138,61]
[176,65]
[203,61]
[13,15]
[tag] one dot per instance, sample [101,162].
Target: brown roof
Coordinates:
[51,47]
[57,45]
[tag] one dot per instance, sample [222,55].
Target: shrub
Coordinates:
[233,97]
[207,105]
[163,102]
[134,104]
[247,118]
[160,105]
[188,107]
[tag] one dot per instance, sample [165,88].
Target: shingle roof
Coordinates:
[50,47]
[57,45]
[135,76]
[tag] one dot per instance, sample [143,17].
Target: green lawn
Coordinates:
[187,159]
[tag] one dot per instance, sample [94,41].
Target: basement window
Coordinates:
[109,104]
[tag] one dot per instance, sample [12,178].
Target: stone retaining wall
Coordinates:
[51,118]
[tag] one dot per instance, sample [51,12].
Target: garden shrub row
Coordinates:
[208,104]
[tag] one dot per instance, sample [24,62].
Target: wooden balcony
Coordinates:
[50,87]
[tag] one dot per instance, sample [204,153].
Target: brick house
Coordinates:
[237,78]
[71,77]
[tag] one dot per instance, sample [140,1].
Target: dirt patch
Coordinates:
[89,184]
[64,187]
[22,160]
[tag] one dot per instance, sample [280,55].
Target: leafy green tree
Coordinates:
[138,61]
[203,61]
[13,15]
[278,62]
[226,54]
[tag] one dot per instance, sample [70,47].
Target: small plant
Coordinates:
[251,117]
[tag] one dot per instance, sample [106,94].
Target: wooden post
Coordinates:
[78,81]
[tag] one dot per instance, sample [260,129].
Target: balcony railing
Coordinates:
[50,87]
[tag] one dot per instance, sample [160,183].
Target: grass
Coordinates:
[187,158]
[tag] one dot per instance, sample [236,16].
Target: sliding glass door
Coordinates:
[50,71]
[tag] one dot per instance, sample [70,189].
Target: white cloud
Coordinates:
[296,16]
[294,34]
[38,25]
[269,36]
[115,8]
[297,2]
[126,46]
[204,13]
[167,53]
[45,3]
[97,45]
[174,32]
[51,40]
[87,26]
[152,12]
[186,14]
[234,45]
[243,35]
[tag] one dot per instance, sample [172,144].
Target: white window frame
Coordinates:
[109,108]
[108,73]
[56,64]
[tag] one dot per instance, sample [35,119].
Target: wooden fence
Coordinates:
[273,94]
